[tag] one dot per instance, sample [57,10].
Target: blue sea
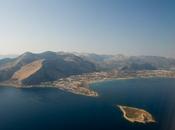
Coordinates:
[53,109]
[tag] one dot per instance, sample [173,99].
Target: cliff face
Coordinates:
[31,68]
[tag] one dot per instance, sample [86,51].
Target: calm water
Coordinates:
[52,109]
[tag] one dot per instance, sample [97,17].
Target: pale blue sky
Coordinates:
[131,27]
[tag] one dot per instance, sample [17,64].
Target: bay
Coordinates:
[50,108]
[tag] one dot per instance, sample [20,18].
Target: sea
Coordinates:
[54,109]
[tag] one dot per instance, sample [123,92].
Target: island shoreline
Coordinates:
[143,114]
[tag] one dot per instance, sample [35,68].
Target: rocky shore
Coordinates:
[136,115]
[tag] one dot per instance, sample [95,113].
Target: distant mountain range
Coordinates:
[7,56]
[130,63]
[30,68]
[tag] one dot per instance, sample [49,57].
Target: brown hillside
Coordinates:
[27,70]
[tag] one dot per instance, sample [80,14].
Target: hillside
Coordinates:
[31,68]
[27,70]
[130,63]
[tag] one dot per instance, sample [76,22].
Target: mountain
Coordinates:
[121,62]
[30,68]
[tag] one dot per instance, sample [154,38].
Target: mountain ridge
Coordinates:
[54,66]
[35,68]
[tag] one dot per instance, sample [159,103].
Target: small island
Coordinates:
[136,115]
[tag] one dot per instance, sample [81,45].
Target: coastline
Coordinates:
[144,116]
[124,114]
[80,84]
[108,80]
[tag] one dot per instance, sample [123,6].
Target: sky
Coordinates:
[130,27]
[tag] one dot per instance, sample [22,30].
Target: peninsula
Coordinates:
[74,72]
[136,115]
[79,84]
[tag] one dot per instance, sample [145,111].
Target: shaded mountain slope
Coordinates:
[32,68]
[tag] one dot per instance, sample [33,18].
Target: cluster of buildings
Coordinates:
[79,84]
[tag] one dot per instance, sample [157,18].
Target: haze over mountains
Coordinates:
[30,68]
[122,62]
[7,56]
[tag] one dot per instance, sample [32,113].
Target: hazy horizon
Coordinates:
[2,56]
[132,28]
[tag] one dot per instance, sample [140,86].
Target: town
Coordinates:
[79,84]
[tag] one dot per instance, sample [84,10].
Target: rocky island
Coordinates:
[136,115]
